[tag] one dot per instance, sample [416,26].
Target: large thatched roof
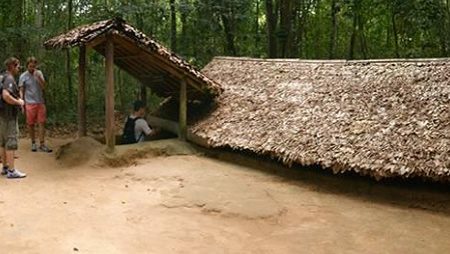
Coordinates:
[141,56]
[380,118]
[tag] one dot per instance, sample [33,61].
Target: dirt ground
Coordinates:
[164,197]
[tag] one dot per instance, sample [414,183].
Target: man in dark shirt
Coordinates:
[9,129]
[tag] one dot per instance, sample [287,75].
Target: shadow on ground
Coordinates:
[406,193]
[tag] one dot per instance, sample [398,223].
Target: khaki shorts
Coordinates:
[9,131]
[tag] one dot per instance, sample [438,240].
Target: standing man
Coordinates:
[9,129]
[32,84]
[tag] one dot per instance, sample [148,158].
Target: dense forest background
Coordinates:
[201,29]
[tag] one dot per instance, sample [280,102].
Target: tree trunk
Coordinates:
[38,21]
[333,34]
[285,35]
[444,35]
[121,85]
[68,57]
[173,26]
[38,18]
[362,38]
[18,7]
[271,26]
[293,49]
[257,28]
[229,34]
[394,30]
[301,33]
[353,36]
[184,26]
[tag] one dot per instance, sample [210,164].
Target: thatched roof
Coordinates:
[140,56]
[381,118]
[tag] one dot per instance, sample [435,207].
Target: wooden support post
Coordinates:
[82,92]
[182,118]
[109,96]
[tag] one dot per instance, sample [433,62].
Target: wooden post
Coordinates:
[82,92]
[109,99]
[182,118]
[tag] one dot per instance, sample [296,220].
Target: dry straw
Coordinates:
[380,118]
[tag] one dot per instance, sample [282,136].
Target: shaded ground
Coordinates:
[168,199]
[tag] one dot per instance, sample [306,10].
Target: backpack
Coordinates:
[128,131]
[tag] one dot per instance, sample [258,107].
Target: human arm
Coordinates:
[143,126]
[40,78]
[22,86]
[10,99]
[21,92]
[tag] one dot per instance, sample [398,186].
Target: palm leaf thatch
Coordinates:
[139,55]
[379,118]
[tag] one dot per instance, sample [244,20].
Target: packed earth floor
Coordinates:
[167,197]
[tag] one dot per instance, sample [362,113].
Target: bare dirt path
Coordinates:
[195,204]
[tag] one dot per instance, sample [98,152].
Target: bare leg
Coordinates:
[3,156]
[31,131]
[42,133]
[10,158]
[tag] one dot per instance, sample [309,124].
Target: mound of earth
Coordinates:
[127,155]
[78,152]
[88,150]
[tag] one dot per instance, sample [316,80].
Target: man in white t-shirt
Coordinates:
[136,128]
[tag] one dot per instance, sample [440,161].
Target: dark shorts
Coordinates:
[9,131]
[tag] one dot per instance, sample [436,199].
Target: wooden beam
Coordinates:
[128,57]
[161,62]
[95,42]
[82,92]
[183,110]
[109,96]
[153,78]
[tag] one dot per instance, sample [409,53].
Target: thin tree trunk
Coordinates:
[394,30]
[19,7]
[184,26]
[257,28]
[294,23]
[139,21]
[301,33]
[444,35]
[285,35]
[271,26]
[173,26]
[353,37]
[38,21]
[120,88]
[333,34]
[362,38]
[68,57]
[229,34]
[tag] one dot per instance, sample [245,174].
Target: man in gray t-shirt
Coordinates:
[32,84]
